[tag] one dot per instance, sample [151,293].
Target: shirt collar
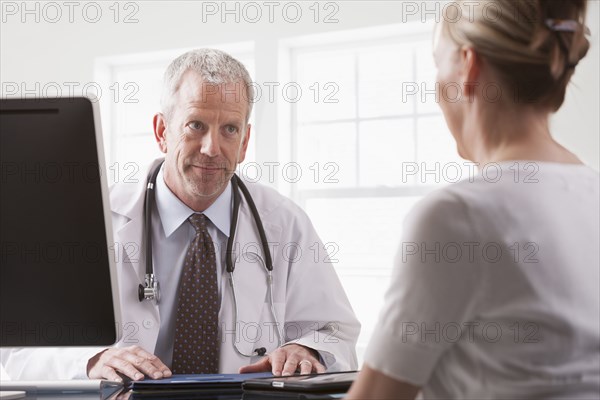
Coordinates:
[219,212]
[173,212]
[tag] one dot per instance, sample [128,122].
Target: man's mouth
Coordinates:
[208,168]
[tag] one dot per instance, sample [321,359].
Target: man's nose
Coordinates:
[210,143]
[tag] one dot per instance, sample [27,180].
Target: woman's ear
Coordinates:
[471,69]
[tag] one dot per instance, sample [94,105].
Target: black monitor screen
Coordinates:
[55,276]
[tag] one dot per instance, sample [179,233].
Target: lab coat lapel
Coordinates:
[129,236]
[140,319]
[131,248]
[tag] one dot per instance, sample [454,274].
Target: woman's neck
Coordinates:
[495,135]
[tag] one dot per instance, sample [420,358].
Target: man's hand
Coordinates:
[133,362]
[286,360]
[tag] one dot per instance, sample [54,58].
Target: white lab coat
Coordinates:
[310,302]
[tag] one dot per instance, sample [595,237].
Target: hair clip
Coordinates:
[562,25]
[565,25]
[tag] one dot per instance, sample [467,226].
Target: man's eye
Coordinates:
[231,129]
[196,125]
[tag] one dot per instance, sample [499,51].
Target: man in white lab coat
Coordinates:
[203,131]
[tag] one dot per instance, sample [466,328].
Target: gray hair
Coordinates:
[214,67]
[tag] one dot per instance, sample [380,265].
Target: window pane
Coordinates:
[365,292]
[383,71]
[426,75]
[363,235]
[333,147]
[384,146]
[366,230]
[138,98]
[327,81]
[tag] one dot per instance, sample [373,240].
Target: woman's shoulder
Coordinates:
[502,191]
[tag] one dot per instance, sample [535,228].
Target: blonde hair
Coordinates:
[533,59]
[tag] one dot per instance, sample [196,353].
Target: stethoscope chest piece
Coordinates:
[150,290]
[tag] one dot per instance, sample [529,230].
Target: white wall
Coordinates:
[577,124]
[44,51]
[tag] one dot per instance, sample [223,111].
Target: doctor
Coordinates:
[203,131]
[304,324]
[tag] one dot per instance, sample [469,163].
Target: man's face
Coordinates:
[204,138]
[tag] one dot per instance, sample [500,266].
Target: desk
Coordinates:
[211,386]
[62,396]
[131,396]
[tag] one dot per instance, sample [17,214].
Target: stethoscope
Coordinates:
[150,290]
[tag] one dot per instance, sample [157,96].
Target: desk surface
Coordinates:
[131,396]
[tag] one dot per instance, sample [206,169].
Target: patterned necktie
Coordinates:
[196,347]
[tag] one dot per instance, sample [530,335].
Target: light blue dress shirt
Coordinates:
[172,233]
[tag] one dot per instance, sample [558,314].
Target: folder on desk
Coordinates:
[203,383]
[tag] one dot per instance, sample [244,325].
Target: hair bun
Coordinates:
[563,21]
[532,45]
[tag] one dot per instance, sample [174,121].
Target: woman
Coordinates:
[495,293]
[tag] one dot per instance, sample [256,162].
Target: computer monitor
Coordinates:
[57,273]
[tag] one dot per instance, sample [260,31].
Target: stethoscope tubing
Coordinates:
[151,288]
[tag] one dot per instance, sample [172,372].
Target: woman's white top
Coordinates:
[496,288]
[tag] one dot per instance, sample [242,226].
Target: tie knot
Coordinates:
[198,221]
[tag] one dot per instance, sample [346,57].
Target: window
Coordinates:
[365,131]
[374,122]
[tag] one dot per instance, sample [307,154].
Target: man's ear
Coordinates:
[160,131]
[471,69]
[244,145]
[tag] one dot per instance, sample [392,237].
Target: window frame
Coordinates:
[345,40]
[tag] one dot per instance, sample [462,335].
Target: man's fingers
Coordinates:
[154,361]
[291,364]
[286,361]
[133,362]
[143,365]
[262,365]
[306,367]
[110,374]
[125,367]
[277,359]
[145,362]
[319,368]
[146,355]
[166,372]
